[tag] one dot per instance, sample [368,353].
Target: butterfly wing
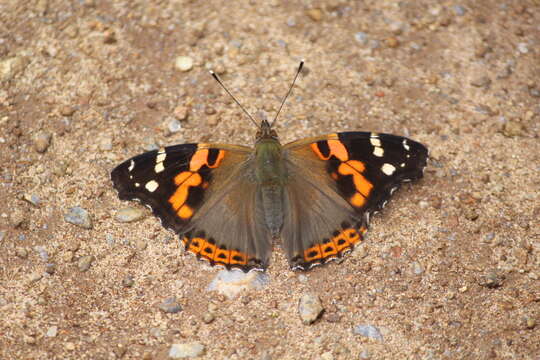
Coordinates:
[335,183]
[205,193]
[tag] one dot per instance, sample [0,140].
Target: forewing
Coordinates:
[178,182]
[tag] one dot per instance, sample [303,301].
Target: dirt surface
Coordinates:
[450,269]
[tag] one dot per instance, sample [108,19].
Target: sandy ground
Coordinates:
[450,269]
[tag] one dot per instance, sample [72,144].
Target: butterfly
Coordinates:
[230,203]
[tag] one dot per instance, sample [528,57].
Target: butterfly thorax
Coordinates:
[270,175]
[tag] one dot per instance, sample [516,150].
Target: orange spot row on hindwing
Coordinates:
[335,246]
[214,253]
[187,179]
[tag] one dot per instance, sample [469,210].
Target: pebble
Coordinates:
[35,277]
[85,262]
[530,323]
[459,10]
[2,235]
[186,350]
[16,218]
[369,331]
[52,331]
[482,81]
[105,143]
[309,308]
[43,254]
[231,282]
[67,110]
[417,268]
[70,346]
[513,128]
[21,253]
[315,14]
[30,340]
[170,306]
[32,199]
[365,355]
[491,279]
[291,22]
[208,318]
[183,63]
[361,37]
[392,42]
[174,126]
[42,140]
[78,216]
[181,112]
[522,48]
[140,244]
[360,251]
[128,281]
[50,268]
[11,67]
[327,356]
[129,214]
[150,144]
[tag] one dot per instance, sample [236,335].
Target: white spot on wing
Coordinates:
[131,165]
[375,141]
[388,169]
[405,145]
[151,186]
[161,157]
[378,151]
[159,167]
[137,184]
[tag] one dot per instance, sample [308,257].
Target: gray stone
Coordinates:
[78,216]
[174,125]
[369,331]
[309,308]
[459,10]
[170,306]
[186,350]
[32,199]
[361,37]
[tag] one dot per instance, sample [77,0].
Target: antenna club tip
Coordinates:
[211,72]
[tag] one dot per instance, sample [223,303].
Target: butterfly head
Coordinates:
[266,132]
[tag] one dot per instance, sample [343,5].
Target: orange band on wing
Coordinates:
[360,182]
[335,148]
[200,158]
[338,150]
[185,180]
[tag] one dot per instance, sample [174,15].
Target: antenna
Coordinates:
[288,92]
[214,75]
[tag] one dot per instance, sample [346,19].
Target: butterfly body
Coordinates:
[229,203]
[271,178]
